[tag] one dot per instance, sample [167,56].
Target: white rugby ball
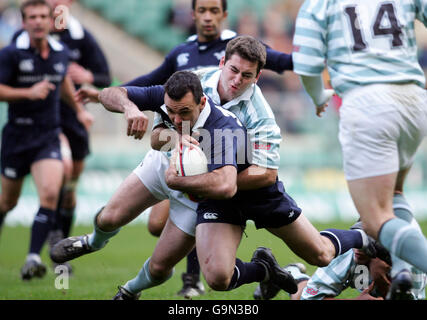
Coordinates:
[191,162]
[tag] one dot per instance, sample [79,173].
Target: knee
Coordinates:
[218,280]
[159,270]
[109,219]
[155,227]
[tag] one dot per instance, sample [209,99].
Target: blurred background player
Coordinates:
[88,66]
[204,49]
[384,112]
[32,79]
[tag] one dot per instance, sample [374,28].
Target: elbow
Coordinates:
[227,191]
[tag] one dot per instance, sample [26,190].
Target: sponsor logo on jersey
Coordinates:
[219,55]
[26,65]
[311,291]
[59,67]
[183,59]
[262,146]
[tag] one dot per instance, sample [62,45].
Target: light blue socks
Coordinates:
[144,280]
[402,239]
[99,238]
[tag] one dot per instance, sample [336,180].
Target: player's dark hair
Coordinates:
[34,3]
[223,2]
[182,82]
[249,48]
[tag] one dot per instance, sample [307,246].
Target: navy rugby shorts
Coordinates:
[269,207]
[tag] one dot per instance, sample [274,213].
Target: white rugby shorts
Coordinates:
[151,172]
[381,127]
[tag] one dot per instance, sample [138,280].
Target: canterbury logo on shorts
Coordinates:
[210,216]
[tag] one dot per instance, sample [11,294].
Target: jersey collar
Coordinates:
[23,42]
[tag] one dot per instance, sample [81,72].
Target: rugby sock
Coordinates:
[246,272]
[67,216]
[144,280]
[343,240]
[99,238]
[43,222]
[404,241]
[401,208]
[193,266]
[2,217]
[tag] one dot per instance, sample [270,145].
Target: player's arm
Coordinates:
[256,177]
[38,91]
[278,61]
[217,184]
[316,90]
[68,95]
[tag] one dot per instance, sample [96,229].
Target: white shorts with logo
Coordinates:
[151,172]
[381,127]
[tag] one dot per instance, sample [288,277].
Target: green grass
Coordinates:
[96,276]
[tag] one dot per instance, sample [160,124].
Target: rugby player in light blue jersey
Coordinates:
[370,50]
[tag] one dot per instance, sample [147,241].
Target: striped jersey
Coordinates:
[255,113]
[343,273]
[362,42]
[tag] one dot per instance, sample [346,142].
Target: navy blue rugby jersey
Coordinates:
[192,55]
[222,137]
[21,66]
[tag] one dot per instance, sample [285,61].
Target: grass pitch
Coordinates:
[96,276]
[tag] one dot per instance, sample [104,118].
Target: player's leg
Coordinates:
[217,244]
[128,202]
[10,192]
[373,198]
[317,248]
[173,245]
[47,175]
[159,214]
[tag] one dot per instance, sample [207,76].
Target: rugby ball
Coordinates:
[191,162]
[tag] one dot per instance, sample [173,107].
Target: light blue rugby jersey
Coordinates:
[254,113]
[363,42]
[343,273]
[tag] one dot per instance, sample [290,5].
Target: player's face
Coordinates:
[236,76]
[360,257]
[185,112]
[37,21]
[208,16]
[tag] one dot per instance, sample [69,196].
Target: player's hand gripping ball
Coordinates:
[191,162]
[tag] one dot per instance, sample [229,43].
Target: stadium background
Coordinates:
[136,34]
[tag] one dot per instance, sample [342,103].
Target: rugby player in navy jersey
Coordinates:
[32,80]
[204,49]
[88,66]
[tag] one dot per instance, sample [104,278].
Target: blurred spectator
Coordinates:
[10,19]
[247,24]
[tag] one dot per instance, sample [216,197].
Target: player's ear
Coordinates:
[257,77]
[222,62]
[202,102]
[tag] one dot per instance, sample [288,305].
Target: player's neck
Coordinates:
[203,39]
[41,46]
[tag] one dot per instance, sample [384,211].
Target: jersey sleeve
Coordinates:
[147,98]
[331,280]
[309,43]
[263,133]
[278,61]
[7,65]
